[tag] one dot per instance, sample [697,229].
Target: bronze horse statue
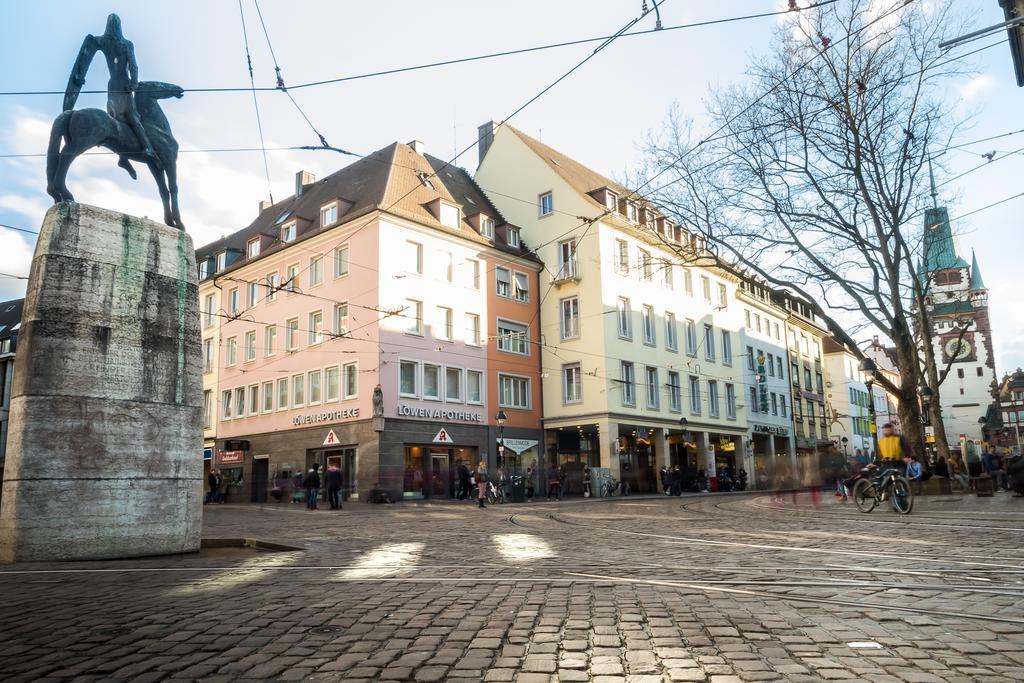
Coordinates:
[83,129]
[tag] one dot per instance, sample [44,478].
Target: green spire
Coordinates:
[976,281]
[940,250]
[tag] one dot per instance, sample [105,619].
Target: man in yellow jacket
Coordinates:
[892,447]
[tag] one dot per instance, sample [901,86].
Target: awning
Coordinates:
[517,446]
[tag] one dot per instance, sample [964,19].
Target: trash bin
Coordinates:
[518,490]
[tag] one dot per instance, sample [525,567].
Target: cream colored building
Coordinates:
[641,353]
[210,322]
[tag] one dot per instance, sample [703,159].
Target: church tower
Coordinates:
[957,300]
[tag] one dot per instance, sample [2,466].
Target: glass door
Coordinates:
[440,474]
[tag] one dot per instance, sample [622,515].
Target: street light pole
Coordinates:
[868,367]
[501,418]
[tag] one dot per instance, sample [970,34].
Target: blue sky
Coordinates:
[598,115]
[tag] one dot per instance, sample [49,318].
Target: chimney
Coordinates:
[264,205]
[485,136]
[418,147]
[303,179]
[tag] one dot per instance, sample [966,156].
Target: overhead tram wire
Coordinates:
[461,60]
[255,102]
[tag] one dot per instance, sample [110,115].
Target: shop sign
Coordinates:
[519,445]
[327,416]
[443,436]
[771,429]
[208,454]
[811,395]
[331,439]
[404,410]
[230,457]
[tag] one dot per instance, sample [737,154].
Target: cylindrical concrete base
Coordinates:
[104,453]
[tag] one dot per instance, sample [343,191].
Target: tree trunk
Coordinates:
[908,409]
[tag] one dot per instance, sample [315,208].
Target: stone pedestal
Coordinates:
[104,454]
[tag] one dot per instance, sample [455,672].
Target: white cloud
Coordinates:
[977,86]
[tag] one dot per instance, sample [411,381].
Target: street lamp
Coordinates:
[868,367]
[925,393]
[501,418]
[846,447]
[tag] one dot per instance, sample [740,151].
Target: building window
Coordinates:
[667,270]
[647,318]
[570,318]
[807,379]
[771,365]
[726,347]
[453,384]
[298,390]
[232,351]
[512,337]
[408,379]
[567,260]
[282,393]
[332,382]
[611,200]
[293,278]
[233,305]
[414,257]
[625,318]
[340,324]
[445,323]
[652,388]
[291,342]
[503,280]
[546,204]
[622,253]
[288,232]
[209,310]
[252,248]
[240,402]
[723,297]
[222,261]
[316,270]
[225,405]
[776,326]
[782,404]
[705,288]
[207,408]
[513,392]
[328,214]
[316,327]
[432,381]
[780,367]
[671,334]
[981,371]
[746,318]
[252,294]
[313,384]
[273,285]
[487,227]
[522,287]
[688,282]
[472,329]
[960,373]
[691,337]
[730,401]
[709,342]
[451,216]
[631,212]
[572,383]
[207,355]
[674,392]
[627,377]
[753,400]
[512,237]
[474,386]
[204,269]
[351,377]
[819,383]
[774,403]
[250,346]
[795,374]
[413,317]
[341,261]
[712,398]
[646,271]
[750,358]
[694,395]
[445,265]
[267,390]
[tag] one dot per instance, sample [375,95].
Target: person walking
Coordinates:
[481,483]
[531,476]
[333,481]
[676,481]
[312,485]
[554,484]
[666,484]
[213,482]
[462,472]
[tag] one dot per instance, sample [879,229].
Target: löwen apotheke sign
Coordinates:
[404,410]
[326,416]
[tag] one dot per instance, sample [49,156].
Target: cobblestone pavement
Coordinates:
[717,588]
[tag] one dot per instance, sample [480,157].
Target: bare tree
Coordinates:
[818,178]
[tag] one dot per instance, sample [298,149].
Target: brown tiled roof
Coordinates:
[579,177]
[391,180]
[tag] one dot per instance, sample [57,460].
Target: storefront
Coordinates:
[637,459]
[771,450]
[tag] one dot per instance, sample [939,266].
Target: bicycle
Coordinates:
[886,485]
[615,487]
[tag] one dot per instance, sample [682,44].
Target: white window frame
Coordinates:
[292,279]
[671,332]
[709,342]
[624,318]
[330,208]
[341,260]
[647,319]
[226,404]
[339,321]
[512,237]
[264,396]
[487,227]
[335,370]
[545,204]
[415,251]
[289,232]
[645,264]
[269,340]
[627,379]
[319,375]
[445,324]
[231,351]
[415,328]
[528,391]
[521,287]
[569,318]
[459,383]
[572,383]
[252,248]
[291,334]
[437,370]
[726,347]
[316,270]
[473,329]
[504,340]
[567,265]
[233,302]
[283,389]
[273,281]
[730,401]
[298,390]
[480,386]
[621,257]
[350,380]
[675,392]
[690,331]
[415,364]
[498,282]
[653,389]
[249,348]
[316,327]
[714,408]
[695,401]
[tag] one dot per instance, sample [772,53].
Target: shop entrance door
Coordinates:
[440,474]
[260,479]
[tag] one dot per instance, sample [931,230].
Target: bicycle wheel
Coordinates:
[864,495]
[902,496]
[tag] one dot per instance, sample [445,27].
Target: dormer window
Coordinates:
[252,248]
[288,232]
[204,269]
[328,214]
[222,260]
[512,237]
[425,179]
[487,227]
[450,215]
[631,212]
[611,200]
